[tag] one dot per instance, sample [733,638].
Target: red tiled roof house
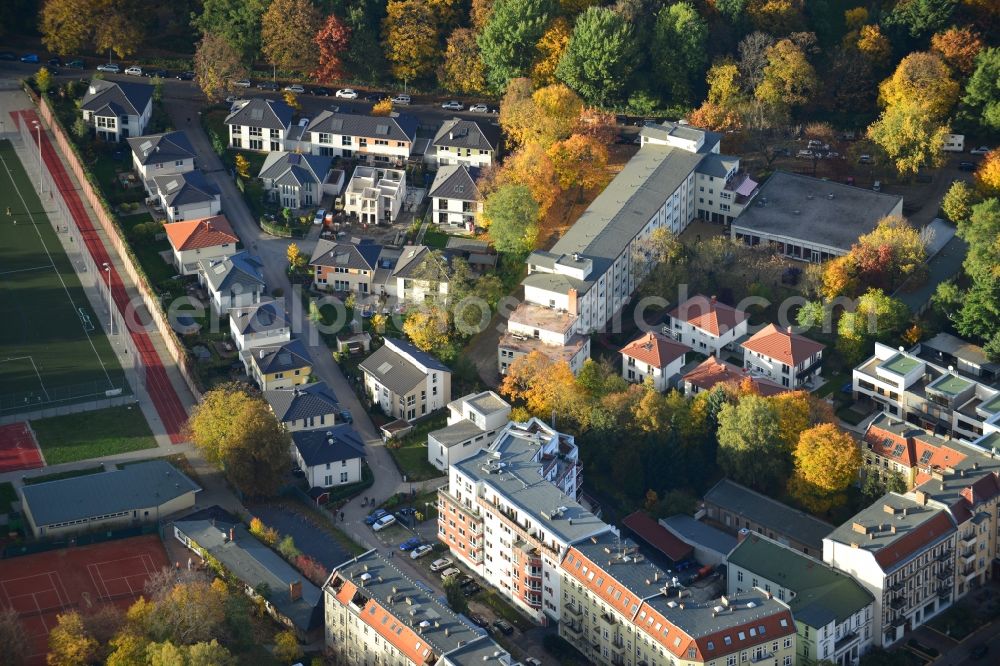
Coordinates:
[787,358]
[654,356]
[196,240]
[706,325]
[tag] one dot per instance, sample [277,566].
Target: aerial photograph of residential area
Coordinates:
[499,332]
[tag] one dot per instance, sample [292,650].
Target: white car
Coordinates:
[450,573]
[134,70]
[347,93]
[384,522]
[295,88]
[438,565]
[452,106]
[981,150]
[479,108]
[420,551]
[401,99]
[110,67]
[242,83]
[320,214]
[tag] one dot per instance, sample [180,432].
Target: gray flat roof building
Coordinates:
[812,219]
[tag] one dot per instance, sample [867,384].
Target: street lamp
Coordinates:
[38,127]
[111,316]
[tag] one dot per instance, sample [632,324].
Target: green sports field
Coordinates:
[53,350]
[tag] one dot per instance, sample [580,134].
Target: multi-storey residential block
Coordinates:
[620,610]
[939,399]
[706,325]
[785,357]
[116,110]
[375,195]
[376,615]
[376,139]
[904,553]
[404,381]
[833,612]
[809,219]
[260,124]
[473,423]
[465,142]
[654,356]
[510,514]
[532,327]
[294,180]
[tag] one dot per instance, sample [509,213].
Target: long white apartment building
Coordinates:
[510,514]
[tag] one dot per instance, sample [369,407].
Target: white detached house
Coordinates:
[455,197]
[329,457]
[706,325]
[117,111]
[161,155]
[200,240]
[654,356]
[792,360]
[465,142]
[295,180]
[260,124]
[187,196]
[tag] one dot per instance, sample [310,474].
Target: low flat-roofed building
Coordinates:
[473,423]
[142,492]
[711,545]
[734,507]
[551,331]
[657,536]
[833,612]
[811,219]
[376,614]
[947,349]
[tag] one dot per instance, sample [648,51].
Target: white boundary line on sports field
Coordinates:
[25,270]
[45,247]
[37,374]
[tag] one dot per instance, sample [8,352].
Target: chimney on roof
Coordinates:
[714,299]
[571,301]
[232,534]
[295,591]
[742,534]
[789,329]
[451,135]
[921,498]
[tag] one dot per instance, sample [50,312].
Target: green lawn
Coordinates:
[147,250]
[435,238]
[94,434]
[7,496]
[411,456]
[31,480]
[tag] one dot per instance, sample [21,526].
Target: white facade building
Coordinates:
[381,140]
[260,124]
[473,423]
[706,325]
[655,357]
[790,359]
[375,195]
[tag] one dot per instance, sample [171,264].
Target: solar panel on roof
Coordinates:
[898,451]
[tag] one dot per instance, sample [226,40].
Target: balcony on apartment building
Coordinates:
[574,629]
[967,540]
[742,186]
[573,609]
[845,641]
[966,556]
[762,656]
[944,590]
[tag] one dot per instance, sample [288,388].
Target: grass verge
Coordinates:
[57,476]
[410,453]
[95,434]
[8,495]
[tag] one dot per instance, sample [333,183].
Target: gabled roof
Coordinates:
[399,128]
[657,536]
[783,345]
[412,257]
[712,371]
[709,315]
[241,268]
[181,189]
[161,148]
[421,357]
[296,169]
[110,98]
[287,356]
[655,349]
[261,112]
[318,447]
[458,133]
[140,486]
[456,181]
[393,370]
[257,318]
[360,256]
[200,233]
[302,402]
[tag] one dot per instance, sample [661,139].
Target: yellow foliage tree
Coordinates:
[286,32]
[286,647]
[827,461]
[462,70]
[292,100]
[794,415]
[544,116]
[410,35]
[921,79]
[546,387]
[69,644]
[530,166]
[296,259]
[383,107]
[912,335]
[428,328]
[242,166]
[839,277]
[550,49]
[789,78]
[855,18]
[579,161]
[988,174]
[874,45]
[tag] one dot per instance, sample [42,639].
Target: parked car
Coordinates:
[479,620]
[76,64]
[438,565]
[231,99]
[877,186]
[242,83]
[504,627]
[401,99]
[471,588]
[157,73]
[410,544]
[346,417]
[109,67]
[966,166]
[268,85]
[375,515]
[866,159]
[453,106]
[347,93]
[420,551]
[321,92]
[479,108]
[8,55]
[981,150]
[295,88]
[450,572]
[531,661]
[55,62]
[30,57]
[189,76]
[318,217]
[134,70]
[384,522]
[805,154]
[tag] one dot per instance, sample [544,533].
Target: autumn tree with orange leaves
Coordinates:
[332,41]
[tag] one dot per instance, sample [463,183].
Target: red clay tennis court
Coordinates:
[18,448]
[83,578]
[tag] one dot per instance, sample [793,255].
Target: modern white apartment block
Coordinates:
[375,195]
[405,382]
[260,124]
[903,552]
[619,609]
[551,331]
[377,616]
[706,325]
[833,612]
[473,423]
[790,359]
[912,388]
[383,140]
[510,514]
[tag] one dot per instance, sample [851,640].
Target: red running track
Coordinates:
[158,385]
[18,449]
